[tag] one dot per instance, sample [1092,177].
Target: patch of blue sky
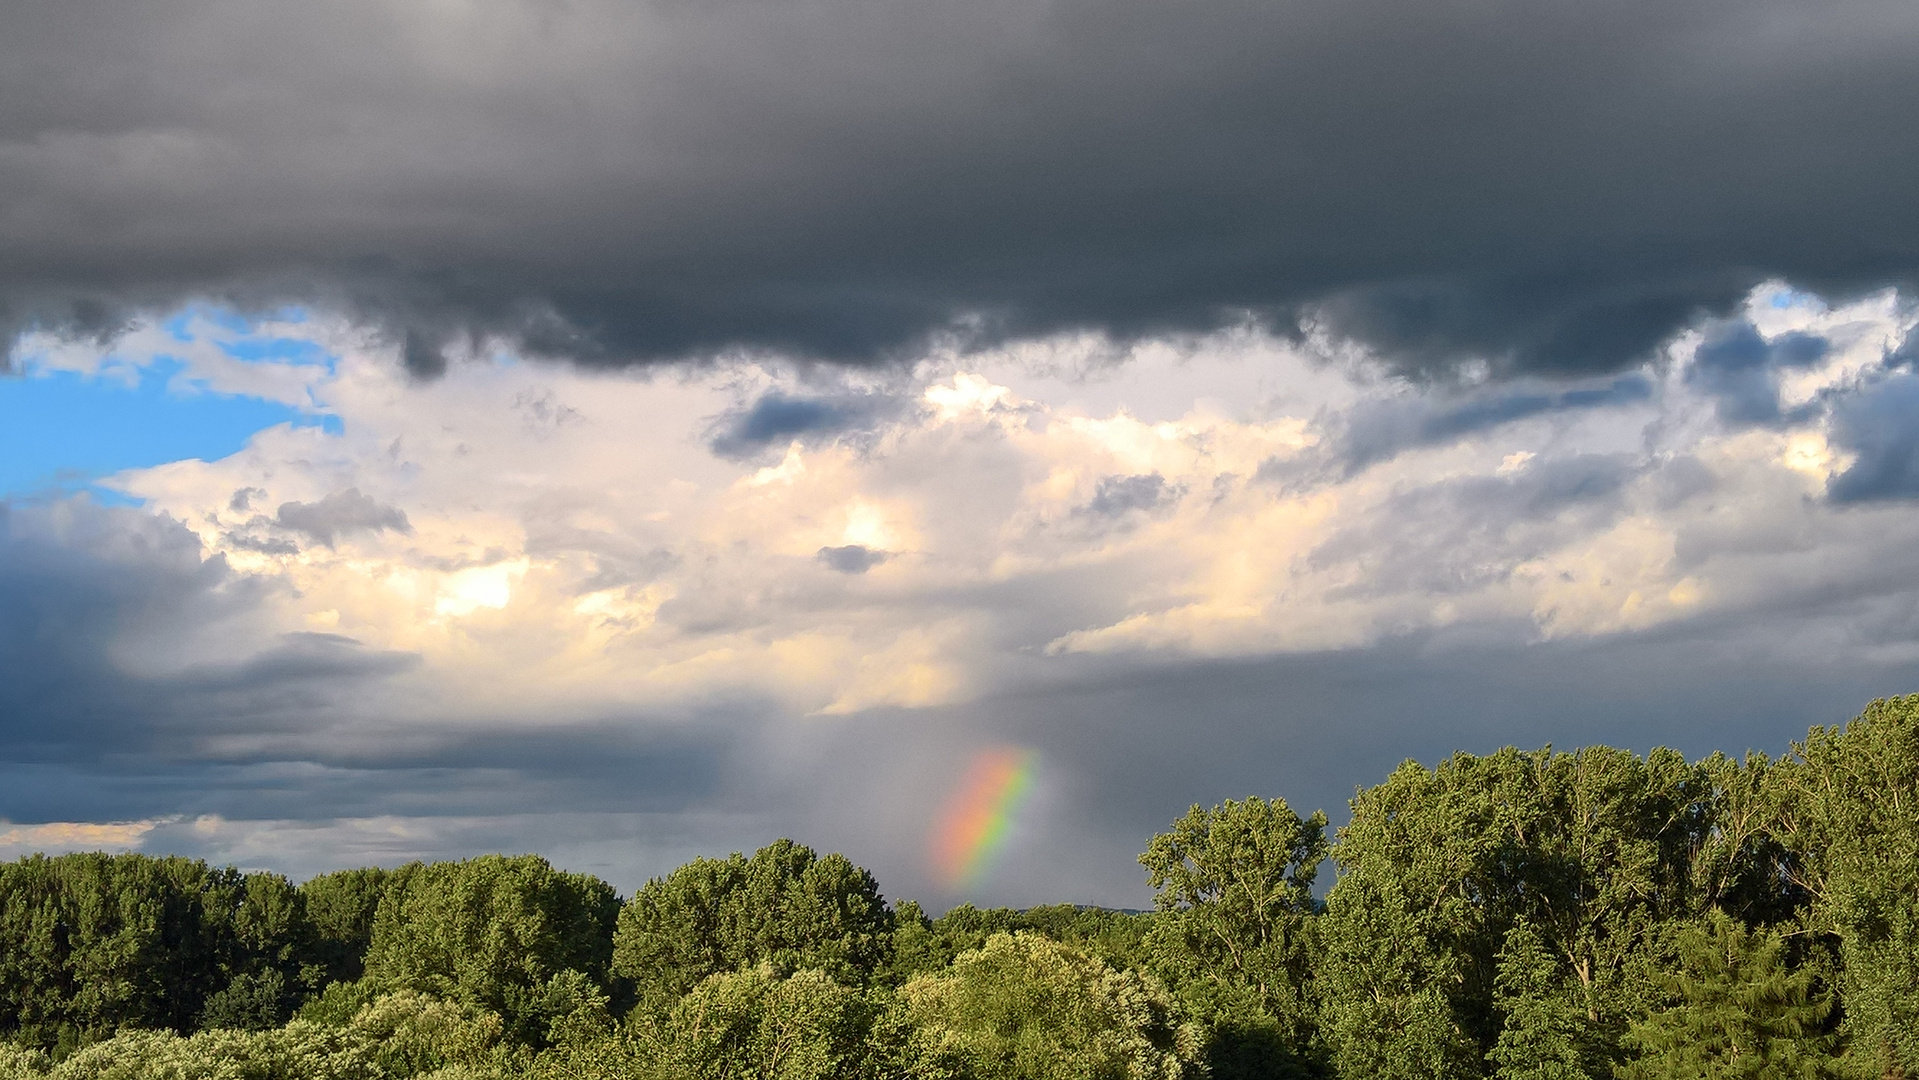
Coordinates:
[1779,296]
[278,350]
[61,431]
[247,341]
[180,324]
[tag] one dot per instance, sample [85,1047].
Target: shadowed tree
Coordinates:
[1600,853]
[340,908]
[1850,813]
[93,943]
[1741,1013]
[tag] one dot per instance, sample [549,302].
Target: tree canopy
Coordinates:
[1524,915]
[785,906]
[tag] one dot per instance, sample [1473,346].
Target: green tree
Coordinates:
[1234,891]
[1118,937]
[917,947]
[266,979]
[785,906]
[923,945]
[93,943]
[1598,851]
[1025,1007]
[1850,815]
[493,932]
[1741,1013]
[1387,976]
[20,1063]
[408,1034]
[392,1038]
[755,1023]
[1546,1032]
[340,908]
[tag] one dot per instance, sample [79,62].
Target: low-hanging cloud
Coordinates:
[1534,187]
[145,681]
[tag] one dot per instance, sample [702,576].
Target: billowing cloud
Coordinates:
[1528,187]
[536,606]
[1742,370]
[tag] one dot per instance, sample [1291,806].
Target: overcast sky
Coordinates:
[633,431]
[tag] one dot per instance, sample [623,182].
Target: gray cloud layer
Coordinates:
[300,726]
[100,609]
[1125,745]
[1547,186]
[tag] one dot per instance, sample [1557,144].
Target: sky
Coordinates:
[628,432]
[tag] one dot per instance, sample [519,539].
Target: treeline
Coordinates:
[1540,915]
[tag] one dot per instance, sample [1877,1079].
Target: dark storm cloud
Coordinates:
[1542,186]
[852,558]
[1379,429]
[776,419]
[1879,424]
[338,514]
[83,587]
[268,731]
[1742,369]
[1115,495]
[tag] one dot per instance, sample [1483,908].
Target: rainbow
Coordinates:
[974,824]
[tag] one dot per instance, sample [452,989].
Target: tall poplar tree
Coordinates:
[1234,891]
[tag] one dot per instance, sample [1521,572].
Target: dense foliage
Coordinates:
[785,906]
[1522,915]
